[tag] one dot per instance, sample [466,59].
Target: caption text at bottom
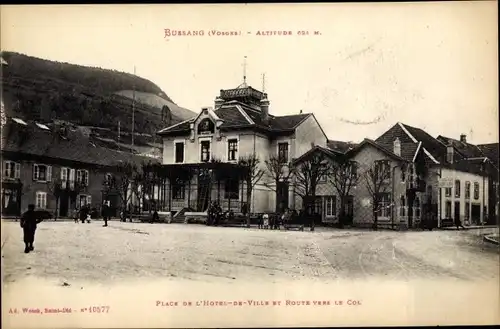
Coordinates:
[250,302]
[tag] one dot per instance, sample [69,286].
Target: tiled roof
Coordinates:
[368,141]
[431,144]
[29,139]
[490,151]
[340,146]
[408,145]
[236,114]
[465,149]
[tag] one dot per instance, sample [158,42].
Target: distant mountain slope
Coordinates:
[43,90]
[158,102]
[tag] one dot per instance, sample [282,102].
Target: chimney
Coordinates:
[463,138]
[218,103]
[397,147]
[449,153]
[264,108]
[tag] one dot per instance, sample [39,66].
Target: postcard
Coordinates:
[250,165]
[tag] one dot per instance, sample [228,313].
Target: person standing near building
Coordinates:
[105,213]
[29,221]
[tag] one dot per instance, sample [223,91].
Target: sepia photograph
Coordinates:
[250,165]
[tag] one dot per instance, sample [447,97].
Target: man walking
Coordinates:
[29,222]
[105,213]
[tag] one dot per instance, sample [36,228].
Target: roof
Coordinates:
[340,146]
[370,142]
[317,148]
[235,114]
[432,147]
[467,150]
[491,151]
[31,140]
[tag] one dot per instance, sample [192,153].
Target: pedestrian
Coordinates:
[29,221]
[458,223]
[105,213]
[83,214]
[156,217]
[265,218]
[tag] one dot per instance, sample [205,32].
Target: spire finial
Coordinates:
[245,70]
[263,82]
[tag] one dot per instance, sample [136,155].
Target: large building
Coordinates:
[55,168]
[449,178]
[207,152]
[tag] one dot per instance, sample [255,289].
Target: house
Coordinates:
[203,156]
[483,158]
[452,182]
[349,188]
[419,174]
[54,168]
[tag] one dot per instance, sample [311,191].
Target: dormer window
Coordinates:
[397,147]
[206,127]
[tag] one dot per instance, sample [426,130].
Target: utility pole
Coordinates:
[119,131]
[133,109]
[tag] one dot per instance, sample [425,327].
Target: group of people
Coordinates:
[216,216]
[288,217]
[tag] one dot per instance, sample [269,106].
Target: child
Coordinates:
[88,218]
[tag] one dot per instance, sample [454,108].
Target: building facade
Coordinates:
[239,127]
[55,169]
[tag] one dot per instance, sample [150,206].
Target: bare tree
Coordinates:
[343,177]
[253,174]
[278,171]
[121,182]
[143,181]
[377,178]
[57,188]
[308,174]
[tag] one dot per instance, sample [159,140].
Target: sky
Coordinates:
[429,65]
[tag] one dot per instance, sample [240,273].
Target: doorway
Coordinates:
[204,189]
[456,212]
[349,210]
[64,205]
[281,196]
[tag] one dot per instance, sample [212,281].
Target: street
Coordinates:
[69,252]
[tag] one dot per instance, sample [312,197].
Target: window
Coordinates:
[382,169]
[85,200]
[331,206]
[457,189]
[231,188]
[417,207]
[179,152]
[205,151]
[206,126]
[72,178]
[448,209]
[11,170]
[403,173]
[467,211]
[64,177]
[42,173]
[232,149]
[178,191]
[82,177]
[384,205]
[476,191]
[447,191]
[283,152]
[467,190]
[41,200]
[108,179]
[402,207]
